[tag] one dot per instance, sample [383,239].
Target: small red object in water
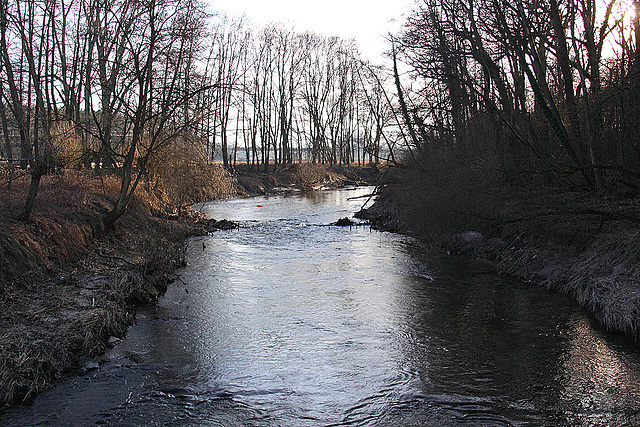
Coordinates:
[258,206]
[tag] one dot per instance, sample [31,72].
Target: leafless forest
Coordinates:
[525,91]
[511,128]
[127,85]
[547,92]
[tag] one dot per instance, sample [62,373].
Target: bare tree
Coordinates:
[30,26]
[525,72]
[230,42]
[156,50]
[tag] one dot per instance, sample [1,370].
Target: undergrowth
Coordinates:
[569,240]
[67,284]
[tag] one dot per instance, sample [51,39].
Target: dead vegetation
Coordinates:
[302,176]
[179,176]
[67,284]
[576,242]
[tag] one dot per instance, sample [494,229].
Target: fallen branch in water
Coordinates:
[363,196]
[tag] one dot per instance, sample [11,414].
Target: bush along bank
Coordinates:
[302,177]
[578,243]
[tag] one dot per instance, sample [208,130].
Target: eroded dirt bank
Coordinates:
[69,288]
[573,242]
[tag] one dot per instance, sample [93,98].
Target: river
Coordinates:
[290,322]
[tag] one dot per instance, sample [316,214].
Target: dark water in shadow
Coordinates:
[287,322]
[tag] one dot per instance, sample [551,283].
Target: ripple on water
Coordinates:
[287,322]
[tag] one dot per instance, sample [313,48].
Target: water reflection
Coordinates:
[310,355]
[287,321]
[597,378]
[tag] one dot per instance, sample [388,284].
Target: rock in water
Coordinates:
[113,341]
[343,222]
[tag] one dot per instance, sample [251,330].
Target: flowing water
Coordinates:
[289,322]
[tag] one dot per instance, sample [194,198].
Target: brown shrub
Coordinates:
[307,174]
[179,177]
[575,242]
[66,145]
[444,192]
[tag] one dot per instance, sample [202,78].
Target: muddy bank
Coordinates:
[68,287]
[577,243]
[58,322]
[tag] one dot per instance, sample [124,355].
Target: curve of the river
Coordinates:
[288,321]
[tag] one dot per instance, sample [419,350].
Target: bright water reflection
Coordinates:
[289,322]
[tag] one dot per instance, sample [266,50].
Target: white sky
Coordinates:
[366,21]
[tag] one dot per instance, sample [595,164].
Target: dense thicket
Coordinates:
[119,85]
[524,116]
[526,91]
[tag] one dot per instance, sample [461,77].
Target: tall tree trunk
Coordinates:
[37,171]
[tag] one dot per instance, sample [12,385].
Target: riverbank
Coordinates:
[69,288]
[302,177]
[575,242]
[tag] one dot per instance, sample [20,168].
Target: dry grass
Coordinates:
[24,367]
[578,243]
[66,284]
[306,175]
[176,181]
[66,219]
[301,176]
[605,278]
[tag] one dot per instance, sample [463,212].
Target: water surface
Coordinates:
[289,322]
